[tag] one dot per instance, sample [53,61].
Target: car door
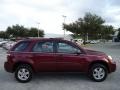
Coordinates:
[69,57]
[44,56]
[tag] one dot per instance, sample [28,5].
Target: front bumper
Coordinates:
[112,67]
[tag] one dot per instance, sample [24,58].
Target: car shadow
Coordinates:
[42,78]
[60,76]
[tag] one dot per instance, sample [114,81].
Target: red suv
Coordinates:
[56,55]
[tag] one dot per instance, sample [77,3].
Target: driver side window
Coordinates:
[67,48]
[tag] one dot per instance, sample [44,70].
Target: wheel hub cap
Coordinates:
[23,74]
[98,73]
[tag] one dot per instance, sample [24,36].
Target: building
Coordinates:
[115,38]
[67,36]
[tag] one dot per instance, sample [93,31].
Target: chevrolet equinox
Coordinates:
[56,55]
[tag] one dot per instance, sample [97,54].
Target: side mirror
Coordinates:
[78,52]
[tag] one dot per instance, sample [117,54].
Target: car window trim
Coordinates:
[13,49]
[41,42]
[56,50]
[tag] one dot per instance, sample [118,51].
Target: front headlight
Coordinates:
[109,57]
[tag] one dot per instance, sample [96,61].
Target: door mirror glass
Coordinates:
[78,52]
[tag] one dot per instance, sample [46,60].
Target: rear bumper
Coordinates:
[8,67]
[112,67]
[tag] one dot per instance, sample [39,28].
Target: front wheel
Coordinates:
[23,73]
[98,72]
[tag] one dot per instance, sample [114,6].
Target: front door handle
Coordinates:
[60,55]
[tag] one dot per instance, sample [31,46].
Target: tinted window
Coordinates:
[43,47]
[66,48]
[21,46]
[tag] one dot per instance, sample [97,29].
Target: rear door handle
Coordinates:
[30,56]
[60,55]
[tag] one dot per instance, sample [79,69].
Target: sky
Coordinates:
[49,13]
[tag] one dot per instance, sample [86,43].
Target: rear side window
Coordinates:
[21,46]
[43,47]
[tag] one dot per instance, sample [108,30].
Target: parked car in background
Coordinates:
[94,41]
[8,45]
[3,42]
[56,55]
[78,41]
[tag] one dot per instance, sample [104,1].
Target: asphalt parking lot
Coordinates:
[65,81]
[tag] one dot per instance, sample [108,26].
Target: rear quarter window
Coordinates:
[22,46]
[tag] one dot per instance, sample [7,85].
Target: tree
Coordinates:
[89,25]
[107,32]
[17,31]
[33,32]
[93,25]
[21,31]
[3,34]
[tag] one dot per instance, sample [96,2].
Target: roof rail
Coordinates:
[56,38]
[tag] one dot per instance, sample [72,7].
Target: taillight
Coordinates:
[8,54]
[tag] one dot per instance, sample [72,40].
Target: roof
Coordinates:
[37,39]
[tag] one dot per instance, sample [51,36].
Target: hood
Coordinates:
[92,52]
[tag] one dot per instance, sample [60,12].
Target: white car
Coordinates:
[2,42]
[8,45]
[78,41]
[94,41]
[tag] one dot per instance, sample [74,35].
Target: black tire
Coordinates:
[27,69]
[94,76]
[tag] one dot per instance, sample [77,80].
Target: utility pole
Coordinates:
[64,17]
[87,36]
[38,29]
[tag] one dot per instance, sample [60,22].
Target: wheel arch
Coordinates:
[99,62]
[22,63]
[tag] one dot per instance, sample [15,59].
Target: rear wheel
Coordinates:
[98,72]
[23,73]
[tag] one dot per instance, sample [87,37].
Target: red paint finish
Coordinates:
[54,61]
[44,61]
[71,62]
